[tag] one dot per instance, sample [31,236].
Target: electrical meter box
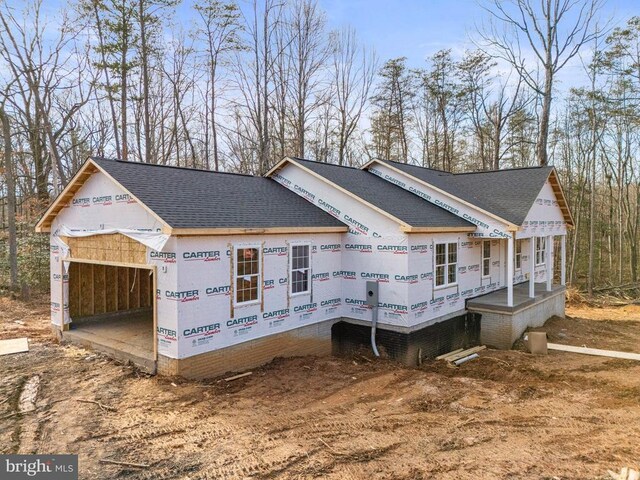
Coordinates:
[372,294]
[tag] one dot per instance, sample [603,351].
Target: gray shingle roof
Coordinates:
[188,198]
[509,194]
[386,196]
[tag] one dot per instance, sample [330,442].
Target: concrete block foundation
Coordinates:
[500,329]
[462,331]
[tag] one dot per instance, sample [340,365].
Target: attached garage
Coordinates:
[111,297]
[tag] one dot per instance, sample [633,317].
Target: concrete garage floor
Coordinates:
[125,337]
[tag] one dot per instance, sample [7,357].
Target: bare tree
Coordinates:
[353,72]
[254,80]
[220,32]
[553,30]
[308,51]
[391,118]
[11,194]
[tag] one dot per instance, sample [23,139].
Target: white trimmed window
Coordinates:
[517,260]
[247,274]
[446,264]
[300,269]
[541,247]
[486,258]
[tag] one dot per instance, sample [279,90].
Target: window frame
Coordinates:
[488,259]
[291,247]
[517,255]
[446,265]
[541,251]
[258,299]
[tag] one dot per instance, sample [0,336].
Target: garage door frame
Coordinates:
[141,266]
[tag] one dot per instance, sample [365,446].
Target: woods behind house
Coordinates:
[236,87]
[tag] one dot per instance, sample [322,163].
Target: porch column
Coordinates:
[563,260]
[510,270]
[549,254]
[532,267]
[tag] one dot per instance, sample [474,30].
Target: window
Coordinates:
[300,269]
[486,258]
[247,273]
[541,246]
[446,263]
[518,257]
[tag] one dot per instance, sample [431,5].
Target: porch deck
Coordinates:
[497,301]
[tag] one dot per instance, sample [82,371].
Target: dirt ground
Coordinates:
[507,414]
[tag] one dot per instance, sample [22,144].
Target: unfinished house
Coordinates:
[196,273]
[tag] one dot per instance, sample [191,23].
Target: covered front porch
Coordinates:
[498,300]
[508,312]
[540,254]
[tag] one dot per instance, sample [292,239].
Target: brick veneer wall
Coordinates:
[308,340]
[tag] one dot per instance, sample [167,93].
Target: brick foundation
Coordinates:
[309,340]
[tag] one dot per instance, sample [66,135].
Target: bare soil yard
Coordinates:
[507,414]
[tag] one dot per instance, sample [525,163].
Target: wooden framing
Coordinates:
[562,201]
[95,288]
[93,277]
[113,247]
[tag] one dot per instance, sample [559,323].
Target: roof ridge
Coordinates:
[536,167]
[468,173]
[172,166]
[414,165]
[325,163]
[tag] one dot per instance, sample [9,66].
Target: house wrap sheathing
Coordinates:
[234,270]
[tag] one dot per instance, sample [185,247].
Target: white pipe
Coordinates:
[460,361]
[374,321]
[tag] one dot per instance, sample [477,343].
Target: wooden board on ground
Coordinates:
[445,355]
[594,351]
[14,345]
[464,353]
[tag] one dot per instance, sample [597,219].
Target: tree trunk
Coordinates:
[11,198]
[114,117]
[543,134]
[144,55]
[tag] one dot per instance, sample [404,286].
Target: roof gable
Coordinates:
[394,202]
[189,201]
[507,194]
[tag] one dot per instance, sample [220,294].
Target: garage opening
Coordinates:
[111,309]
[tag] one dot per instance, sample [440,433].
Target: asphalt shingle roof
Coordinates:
[388,197]
[509,194]
[189,198]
